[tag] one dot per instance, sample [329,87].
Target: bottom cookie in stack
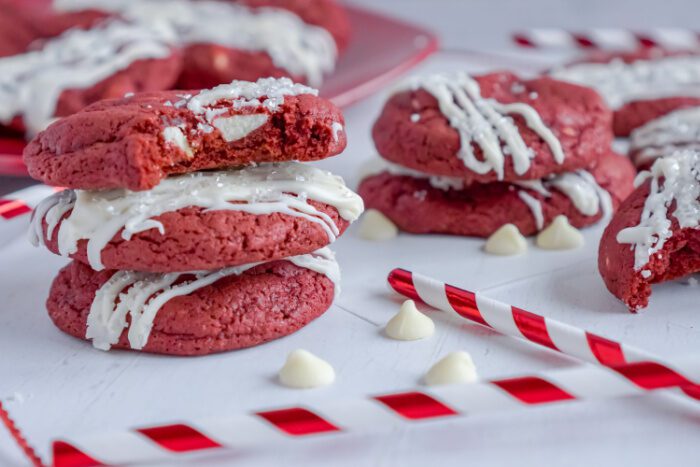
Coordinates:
[418,202]
[193,313]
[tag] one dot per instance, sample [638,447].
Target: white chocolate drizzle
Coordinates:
[619,82]
[300,48]
[32,83]
[139,296]
[97,216]
[665,135]
[486,123]
[579,186]
[675,180]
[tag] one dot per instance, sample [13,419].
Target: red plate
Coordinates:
[381,49]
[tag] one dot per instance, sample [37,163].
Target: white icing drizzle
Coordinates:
[97,216]
[32,83]
[535,208]
[580,187]
[300,48]
[660,137]
[337,128]
[140,296]
[486,123]
[619,82]
[675,180]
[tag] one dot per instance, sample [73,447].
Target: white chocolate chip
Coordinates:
[304,370]
[455,368]
[506,241]
[409,324]
[560,235]
[376,226]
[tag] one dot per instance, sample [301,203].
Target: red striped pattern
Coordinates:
[178,438]
[402,281]
[415,405]
[297,421]
[533,327]
[67,455]
[11,208]
[19,438]
[464,303]
[607,352]
[533,390]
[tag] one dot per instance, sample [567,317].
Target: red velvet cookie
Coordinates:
[654,235]
[640,86]
[665,135]
[419,204]
[61,75]
[137,141]
[266,302]
[413,129]
[207,64]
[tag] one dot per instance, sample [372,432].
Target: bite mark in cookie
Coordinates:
[137,141]
[654,235]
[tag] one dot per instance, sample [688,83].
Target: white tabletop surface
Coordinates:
[68,388]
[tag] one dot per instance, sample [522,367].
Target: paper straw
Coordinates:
[372,414]
[516,322]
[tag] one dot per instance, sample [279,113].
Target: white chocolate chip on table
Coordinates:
[409,324]
[454,368]
[304,370]
[376,226]
[560,235]
[506,241]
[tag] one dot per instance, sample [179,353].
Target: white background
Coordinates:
[69,388]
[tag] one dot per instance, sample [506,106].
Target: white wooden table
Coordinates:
[69,388]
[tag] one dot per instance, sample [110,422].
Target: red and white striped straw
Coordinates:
[608,39]
[371,414]
[516,322]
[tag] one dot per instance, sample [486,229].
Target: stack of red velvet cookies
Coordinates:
[191,227]
[465,155]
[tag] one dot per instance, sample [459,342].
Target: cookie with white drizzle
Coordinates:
[494,127]
[655,235]
[203,220]
[639,86]
[136,141]
[82,66]
[665,135]
[193,313]
[244,40]
[420,203]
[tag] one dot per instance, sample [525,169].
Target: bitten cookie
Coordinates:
[137,141]
[200,221]
[190,314]
[665,135]
[419,203]
[494,127]
[654,235]
[639,86]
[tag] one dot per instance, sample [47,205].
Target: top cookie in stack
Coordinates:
[465,155]
[193,262]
